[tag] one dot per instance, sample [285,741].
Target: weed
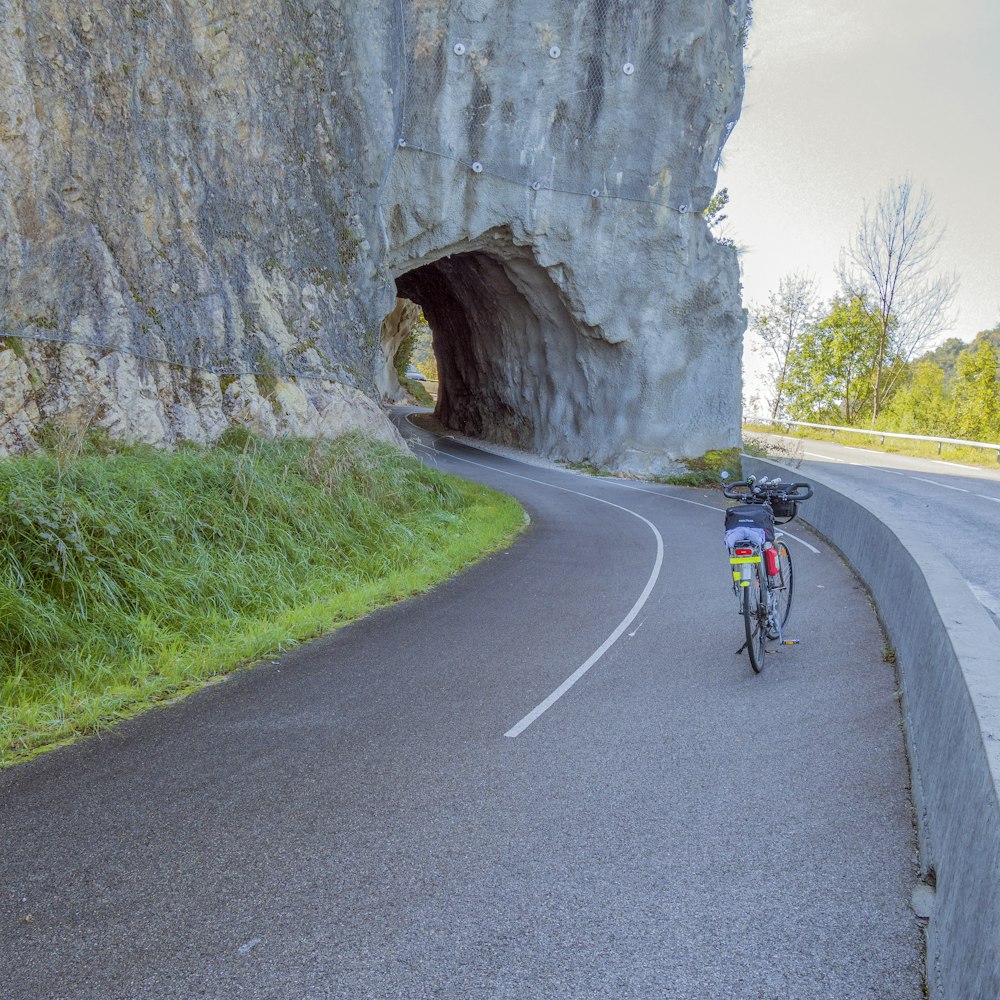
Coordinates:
[15,344]
[44,322]
[587,467]
[707,469]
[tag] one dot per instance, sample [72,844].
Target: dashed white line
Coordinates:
[982,496]
[958,465]
[944,486]
[826,458]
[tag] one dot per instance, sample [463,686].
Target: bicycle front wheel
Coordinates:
[755,617]
[781,589]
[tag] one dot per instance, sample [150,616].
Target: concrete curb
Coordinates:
[948,656]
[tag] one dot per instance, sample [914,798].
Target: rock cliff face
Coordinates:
[208,209]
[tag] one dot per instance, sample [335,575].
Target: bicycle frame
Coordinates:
[765,598]
[748,568]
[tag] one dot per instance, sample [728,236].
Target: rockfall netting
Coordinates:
[200,183]
[556,96]
[179,181]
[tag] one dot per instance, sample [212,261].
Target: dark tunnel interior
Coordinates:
[480,323]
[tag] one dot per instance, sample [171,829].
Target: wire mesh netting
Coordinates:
[192,185]
[579,98]
[180,185]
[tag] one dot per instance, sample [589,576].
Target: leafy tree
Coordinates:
[831,371]
[945,355]
[922,405]
[423,350]
[888,267]
[778,327]
[976,394]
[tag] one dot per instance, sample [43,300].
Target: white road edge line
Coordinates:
[827,458]
[542,707]
[718,510]
[787,534]
[668,496]
[944,486]
[941,461]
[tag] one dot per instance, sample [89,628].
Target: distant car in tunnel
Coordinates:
[415,373]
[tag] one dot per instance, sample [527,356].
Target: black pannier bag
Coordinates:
[784,509]
[751,515]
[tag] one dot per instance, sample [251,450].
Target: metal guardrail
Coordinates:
[833,428]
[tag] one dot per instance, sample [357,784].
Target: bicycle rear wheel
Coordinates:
[755,617]
[781,588]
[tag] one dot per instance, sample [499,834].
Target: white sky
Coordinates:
[844,97]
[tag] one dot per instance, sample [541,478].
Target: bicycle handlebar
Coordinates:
[761,490]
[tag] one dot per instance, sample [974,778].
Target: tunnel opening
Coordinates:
[513,365]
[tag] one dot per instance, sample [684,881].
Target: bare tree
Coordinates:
[778,327]
[889,268]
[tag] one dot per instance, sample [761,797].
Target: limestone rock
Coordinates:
[207,210]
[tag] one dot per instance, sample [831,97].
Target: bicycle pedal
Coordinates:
[789,642]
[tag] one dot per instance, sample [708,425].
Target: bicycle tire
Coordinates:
[755,617]
[781,587]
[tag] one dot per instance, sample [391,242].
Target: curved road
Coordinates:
[956,506]
[423,804]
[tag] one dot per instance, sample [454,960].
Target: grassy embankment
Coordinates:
[918,449]
[127,579]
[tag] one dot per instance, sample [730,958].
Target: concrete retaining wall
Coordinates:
[948,652]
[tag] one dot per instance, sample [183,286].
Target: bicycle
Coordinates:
[761,563]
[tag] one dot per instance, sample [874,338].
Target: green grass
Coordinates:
[128,579]
[588,468]
[417,390]
[918,449]
[707,469]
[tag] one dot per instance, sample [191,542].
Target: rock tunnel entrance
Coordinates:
[512,362]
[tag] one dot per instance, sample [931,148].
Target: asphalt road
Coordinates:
[401,809]
[956,506]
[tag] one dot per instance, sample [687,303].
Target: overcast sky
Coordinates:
[841,99]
